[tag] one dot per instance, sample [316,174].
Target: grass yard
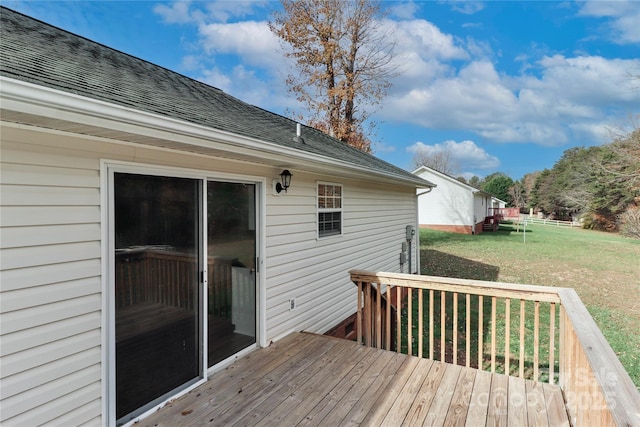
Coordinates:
[603,268]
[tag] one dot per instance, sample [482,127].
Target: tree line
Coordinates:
[601,184]
[598,185]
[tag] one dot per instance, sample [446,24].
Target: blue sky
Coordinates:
[502,85]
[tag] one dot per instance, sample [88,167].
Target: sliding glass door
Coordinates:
[160,304]
[157,253]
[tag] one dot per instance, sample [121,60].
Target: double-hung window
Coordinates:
[329,209]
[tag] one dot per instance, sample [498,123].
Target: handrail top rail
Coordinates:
[476,287]
[612,377]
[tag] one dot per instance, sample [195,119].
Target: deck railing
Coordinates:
[535,332]
[170,278]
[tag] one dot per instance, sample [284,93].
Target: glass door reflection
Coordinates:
[231,294]
[157,229]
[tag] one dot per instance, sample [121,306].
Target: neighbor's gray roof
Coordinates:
[35,52]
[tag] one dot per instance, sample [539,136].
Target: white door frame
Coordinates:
[107,170]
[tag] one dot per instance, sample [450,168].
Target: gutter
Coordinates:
[427,191]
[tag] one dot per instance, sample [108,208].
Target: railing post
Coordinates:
[552,341]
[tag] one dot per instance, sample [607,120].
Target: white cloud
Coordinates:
[404,10]
[252,41]
[380,147]
[478,49]
[588,80]
[466,153]
[216,78]
[624,24]
[471,99]
[422,52]
[467,7]
[472,25]
[245,84]
[191,62]
[185,11]
[225,10]
[425,39]
[546,108]
[177,13]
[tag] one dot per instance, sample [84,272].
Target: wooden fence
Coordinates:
[554,222]
[597,388]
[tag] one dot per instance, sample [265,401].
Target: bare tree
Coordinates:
[529,182]
[440,160]
[625,166]
[344,62]
[518,195]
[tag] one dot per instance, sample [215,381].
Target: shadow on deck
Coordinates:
[308,379]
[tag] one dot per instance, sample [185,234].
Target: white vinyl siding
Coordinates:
[450,203]
[50,301]
[315,272]
[51,269]
[480,207]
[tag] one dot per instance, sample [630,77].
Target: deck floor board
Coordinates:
[307,379]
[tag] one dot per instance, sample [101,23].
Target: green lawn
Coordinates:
[603,268]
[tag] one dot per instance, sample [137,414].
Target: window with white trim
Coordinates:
[329,209]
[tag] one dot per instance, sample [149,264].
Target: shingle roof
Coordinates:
[36,52]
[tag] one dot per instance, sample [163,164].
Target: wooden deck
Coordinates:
[308,379]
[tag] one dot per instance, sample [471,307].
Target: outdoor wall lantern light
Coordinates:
[285,178]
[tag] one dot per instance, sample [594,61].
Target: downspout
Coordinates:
[418,229]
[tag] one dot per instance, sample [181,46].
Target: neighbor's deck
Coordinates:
[307,379]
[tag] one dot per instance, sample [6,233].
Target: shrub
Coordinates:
[597,221]
[630,222]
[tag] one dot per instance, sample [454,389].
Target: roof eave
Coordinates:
[32,99]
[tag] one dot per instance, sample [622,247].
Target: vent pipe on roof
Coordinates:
[298,137]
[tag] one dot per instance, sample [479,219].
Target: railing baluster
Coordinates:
[536,339]
[443,324]
[431,349]
[359,313]
[388,320]
[467,340]
[420,323]
[507,334]
[552,341]
[455,329]
[398,318]
[409,323]
[480,334]
[378,296]
[493,334]
[367,314]
[521,356]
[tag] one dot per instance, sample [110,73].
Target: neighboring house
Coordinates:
[497,203]
[144,240]
[453,205]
